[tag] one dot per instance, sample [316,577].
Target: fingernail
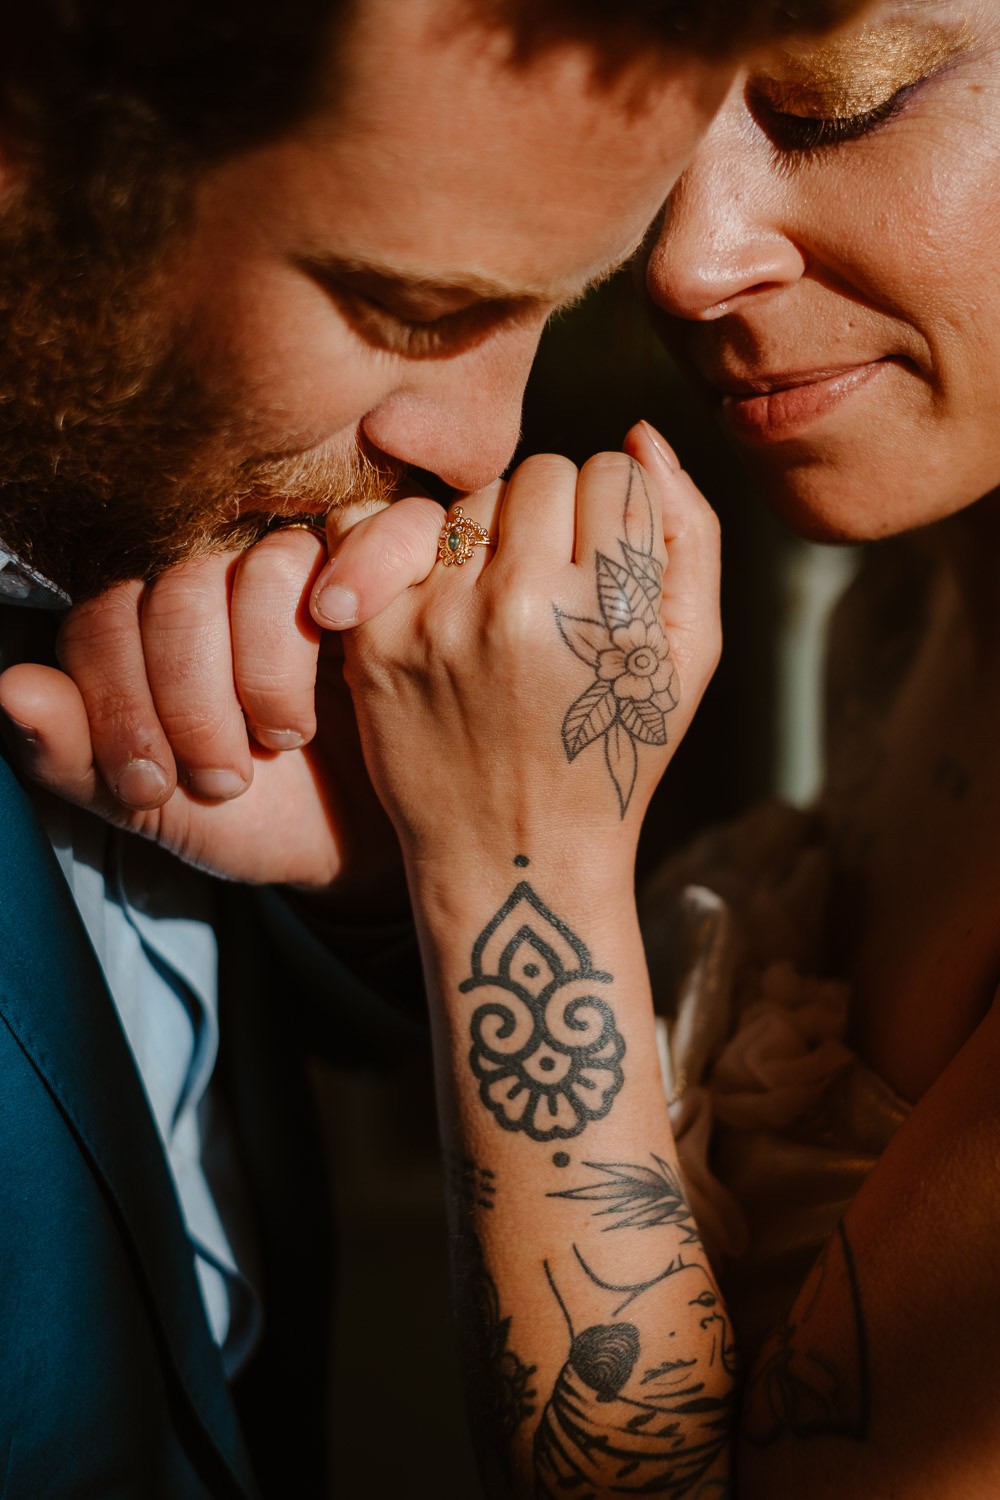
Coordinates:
[661,445]
[336,605]
[141,784]
[277,739]
[216,786]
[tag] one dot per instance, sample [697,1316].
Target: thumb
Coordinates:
[378,559]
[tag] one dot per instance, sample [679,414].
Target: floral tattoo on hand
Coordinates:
[635,682]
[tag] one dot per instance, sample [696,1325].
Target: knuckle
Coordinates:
[281,565]
[399,542]
[397,551]
[194,732]
[369,669]
[266,680]
[449,635]
[412,530]
[511,621]
[199,662]
[182,606]
[423,516]
[98,628]
[273,702]
[118,722]
[547,468]
[608,462]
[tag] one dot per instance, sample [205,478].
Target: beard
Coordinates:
[106,434]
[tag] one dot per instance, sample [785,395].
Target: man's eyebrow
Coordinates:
[347,269]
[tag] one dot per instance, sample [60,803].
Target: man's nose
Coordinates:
[724,239]
[459,418]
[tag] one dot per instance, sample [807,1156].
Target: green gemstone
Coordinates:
[454,541]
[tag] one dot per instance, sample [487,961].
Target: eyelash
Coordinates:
[396,334]
[422,340]
[803,135]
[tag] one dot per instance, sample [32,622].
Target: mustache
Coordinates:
[264,493]
[315,481]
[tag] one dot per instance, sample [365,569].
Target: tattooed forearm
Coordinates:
[545,1045]
[499,1385]
[806,1382]
[635,685]
[469,1185]
[643,1402]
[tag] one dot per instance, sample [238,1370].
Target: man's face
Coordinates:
[376,280]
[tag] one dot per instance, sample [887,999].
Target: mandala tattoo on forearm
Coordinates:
[635,683]
[545,1045]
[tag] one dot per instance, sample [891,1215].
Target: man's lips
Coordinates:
[774,407]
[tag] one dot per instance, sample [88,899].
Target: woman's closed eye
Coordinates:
[850,88]
[794,132]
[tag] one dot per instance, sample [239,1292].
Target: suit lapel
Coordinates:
[54,1000]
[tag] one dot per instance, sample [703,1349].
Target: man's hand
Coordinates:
[187,712]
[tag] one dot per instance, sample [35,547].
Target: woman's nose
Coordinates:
[723,238]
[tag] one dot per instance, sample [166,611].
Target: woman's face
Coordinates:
[830,265]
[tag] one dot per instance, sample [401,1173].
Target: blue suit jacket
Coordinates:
[110,1383]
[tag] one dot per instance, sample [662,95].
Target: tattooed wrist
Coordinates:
[500,1386]
[546,1049]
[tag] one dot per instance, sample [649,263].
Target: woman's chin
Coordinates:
[833,504]
[832,523]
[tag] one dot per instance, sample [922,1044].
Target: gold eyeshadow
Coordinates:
[857,74]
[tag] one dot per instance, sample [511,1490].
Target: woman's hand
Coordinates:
[516,712]
[543,685]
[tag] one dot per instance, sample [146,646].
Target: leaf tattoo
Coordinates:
[592,715]
[623,763]
[638,1197]
[635,683]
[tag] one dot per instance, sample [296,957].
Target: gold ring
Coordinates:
[459,535]
[299,523]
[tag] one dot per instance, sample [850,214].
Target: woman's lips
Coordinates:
[776,410]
